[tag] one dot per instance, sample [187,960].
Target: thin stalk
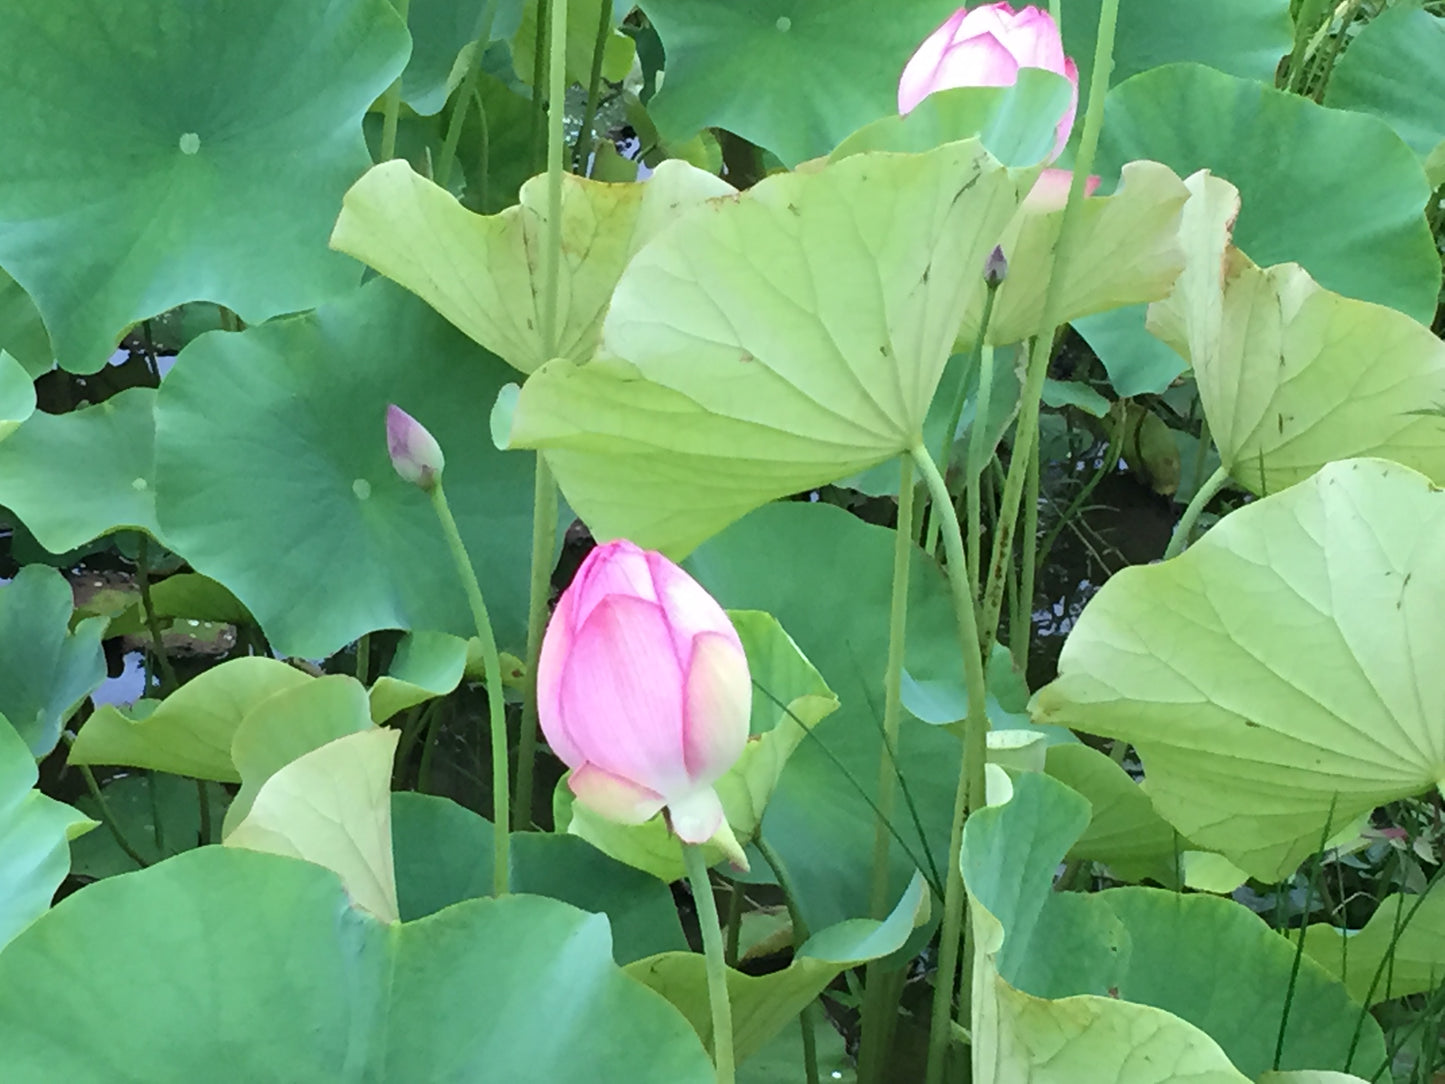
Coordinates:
[973,482]
[363,658]
[594,87]
[544,489]
[1022,627]
[970,792]
[1202,496]
[1304,41]
[1324,64]
[158,828]
[734,926]
[1027,429]
[429,745]
[496,703]
[800,935]
[537,122]
[169,682]
[1299,951]
[108,818]
[1106,467]
[712,950]
[876,1007]
[484,155]
[464,96]
[205,809]
[808,1018]
[391,101]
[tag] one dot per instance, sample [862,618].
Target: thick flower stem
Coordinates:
[544,490]
[1027,429]
[717,972]
[1202,496]
[878,1007]
[496,703]
[464,97]
[391,101]
[970,792]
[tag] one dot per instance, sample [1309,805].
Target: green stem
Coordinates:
[717,973]
[876,1007]
[537,123]
[808,1018]
[496,703]
[544,489]
[363,658]
[970,792]
[464,96]
[594,87]
[108,818]
[205,810]
[734,926]
[973,483]
[800,935]
[169,681]
[391,101]
[1022,627]
[1202,496]
[1027,429]
[484,155]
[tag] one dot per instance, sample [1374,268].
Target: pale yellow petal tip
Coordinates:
[725,839]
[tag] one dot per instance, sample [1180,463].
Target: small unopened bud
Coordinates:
[995,268]
[414,452]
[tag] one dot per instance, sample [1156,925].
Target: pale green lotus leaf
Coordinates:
[1309,1076]
[763,1004]
[34,835]
[288,725]
[1205,871]
[789,699]
[1126,251]
[581,39]
[1281,676]
[332,806]
[1356,956]
[17,394]
[783,339]
[189,732]
[427,664]
[484,273]
[1293,376]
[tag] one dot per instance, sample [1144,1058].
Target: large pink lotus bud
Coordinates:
[643,690]
[986,47]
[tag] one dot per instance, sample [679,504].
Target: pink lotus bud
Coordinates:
[995,268]
[1051,191]
[643,690]
[414,452]
[986,47]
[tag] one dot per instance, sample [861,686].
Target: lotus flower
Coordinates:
[986,47]
[414,452]
[643,691]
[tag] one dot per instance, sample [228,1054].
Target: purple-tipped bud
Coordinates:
[414,452]
[995,268]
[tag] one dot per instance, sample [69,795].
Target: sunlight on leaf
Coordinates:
[789,337]
[332,806]
[484,272]
[1281,672]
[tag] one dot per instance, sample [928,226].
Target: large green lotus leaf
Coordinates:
[296,465]
[826,576]
[582,19]
[1121,964]
[241,128]
[789,699]
[1361,233]
[160,816]
[443,855]
[34,832]
[74,477]
[1242,37]
[794,76]
[46,668]
[1293,376]
[426,665]
[22,333]
[1127,251]
[787,338]
[764,1004]
[288,725]
[484,273]
[262,957]
[1278,675]
[441,30]
[1125,831]
[332,806]
[189,732]
[17,394]
[1017,123]
[1416,954]
[1392,69]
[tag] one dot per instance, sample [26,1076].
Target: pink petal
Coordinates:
[977,62]
[690,609]
[622,694]
[696,817]
[916,83]
[613,568]
[1066,122]
[610,796]
[556,647]
[1051,191]
[1034,41]
[995,20]
[718,704]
